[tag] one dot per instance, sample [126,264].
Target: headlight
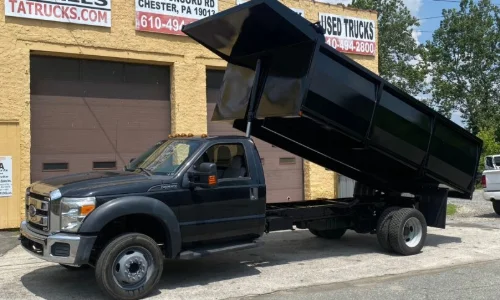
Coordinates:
[74,211]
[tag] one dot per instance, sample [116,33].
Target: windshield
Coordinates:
[164,158]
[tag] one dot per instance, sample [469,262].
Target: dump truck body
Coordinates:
[317,103]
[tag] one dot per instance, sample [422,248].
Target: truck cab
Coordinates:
[184,192]
[214,188]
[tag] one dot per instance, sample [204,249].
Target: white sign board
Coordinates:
[87,12]
[168,17]
[348,34]
[5,176]
[297,10]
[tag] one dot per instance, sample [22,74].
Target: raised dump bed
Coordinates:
[317,103]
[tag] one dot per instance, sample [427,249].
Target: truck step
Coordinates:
[208,250]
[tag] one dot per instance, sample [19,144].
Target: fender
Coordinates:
[129,205]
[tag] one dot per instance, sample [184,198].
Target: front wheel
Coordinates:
[407,231]
[496,207]
[129,267]
[75,268]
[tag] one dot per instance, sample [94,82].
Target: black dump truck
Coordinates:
[190,196]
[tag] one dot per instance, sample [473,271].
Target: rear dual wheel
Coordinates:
[402,230]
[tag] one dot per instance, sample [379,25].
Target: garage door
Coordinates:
[94,115]
[283,170]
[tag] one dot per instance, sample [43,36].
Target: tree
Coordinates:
[398,51]
[463,60]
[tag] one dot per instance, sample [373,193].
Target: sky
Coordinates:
[423,9]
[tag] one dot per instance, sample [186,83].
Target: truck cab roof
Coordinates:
[207,137]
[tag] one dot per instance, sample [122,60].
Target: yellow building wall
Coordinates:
[19,37]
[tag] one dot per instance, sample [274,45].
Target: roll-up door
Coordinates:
[94,115]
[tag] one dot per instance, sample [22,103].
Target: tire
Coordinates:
[137,252]
[407,231]
[331,234]
[74,268]
[496,207]
[383,223]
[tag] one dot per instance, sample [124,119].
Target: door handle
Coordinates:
[254,193]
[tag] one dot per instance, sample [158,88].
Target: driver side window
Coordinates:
[230,159]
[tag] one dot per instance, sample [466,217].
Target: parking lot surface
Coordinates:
[8,241]
[470,281]
[287,260]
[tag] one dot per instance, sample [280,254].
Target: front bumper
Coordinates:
[68,249]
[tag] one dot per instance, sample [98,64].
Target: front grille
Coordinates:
[38,211]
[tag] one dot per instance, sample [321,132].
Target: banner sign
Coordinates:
[168,16]
[5,176]
[348,34]
[87,12]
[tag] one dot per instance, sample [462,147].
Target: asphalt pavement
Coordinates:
[8,241]
[472,281]
[459,262]
[288,262]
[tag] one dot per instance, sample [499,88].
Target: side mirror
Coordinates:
[205,176]
[131,160]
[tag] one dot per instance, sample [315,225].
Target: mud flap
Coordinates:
[433,206]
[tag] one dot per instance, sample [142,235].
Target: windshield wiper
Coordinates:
[145,171]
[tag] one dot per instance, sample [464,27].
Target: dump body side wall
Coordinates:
[393,136]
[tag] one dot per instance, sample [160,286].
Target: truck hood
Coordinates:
[97,184]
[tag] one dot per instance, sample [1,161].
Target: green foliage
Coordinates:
[491,145]
[451,209]
[464,59]
[398,51]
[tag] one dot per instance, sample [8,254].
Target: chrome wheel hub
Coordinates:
[132,267]
[412,232]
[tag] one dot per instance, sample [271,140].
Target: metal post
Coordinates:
[253,97]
